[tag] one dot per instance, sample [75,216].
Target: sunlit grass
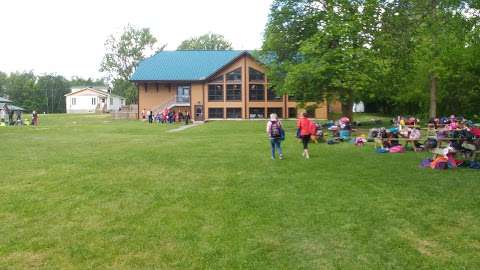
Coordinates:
[83,192]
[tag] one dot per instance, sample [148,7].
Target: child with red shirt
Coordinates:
[305,127]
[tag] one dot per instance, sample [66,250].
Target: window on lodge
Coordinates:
[257,92]
[218,79]
[255,75]
[235,75]
[256,113]
[74,101]
[277,111]
[215,92]
[234,112]
[234,92]
[272,95]
[215,113]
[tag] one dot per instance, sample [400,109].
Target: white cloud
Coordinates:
[67,37]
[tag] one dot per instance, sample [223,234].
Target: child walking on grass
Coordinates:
[274,131]
[304,126]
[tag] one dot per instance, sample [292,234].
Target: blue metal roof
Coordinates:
[183,65]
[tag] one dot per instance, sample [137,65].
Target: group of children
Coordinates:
[447,138]
[462,140]
[166,116]
[18,121]
[306,131]
[405,129]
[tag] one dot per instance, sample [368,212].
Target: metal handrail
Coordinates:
[172,101]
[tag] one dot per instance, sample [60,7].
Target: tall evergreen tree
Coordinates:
[54,87]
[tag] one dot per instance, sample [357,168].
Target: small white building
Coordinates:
[92,100]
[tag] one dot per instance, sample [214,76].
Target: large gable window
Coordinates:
[218,79]
[215,92]
[234,92]
[235,75]
[257,92]
[255,75]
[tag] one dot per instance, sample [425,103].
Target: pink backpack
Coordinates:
[397,149]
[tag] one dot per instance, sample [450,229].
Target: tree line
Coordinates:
[398,56]
[42,93]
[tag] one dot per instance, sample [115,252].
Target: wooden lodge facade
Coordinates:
[212,85]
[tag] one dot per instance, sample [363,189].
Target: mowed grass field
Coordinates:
[86,192]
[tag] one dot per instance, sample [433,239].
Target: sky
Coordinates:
[67,37]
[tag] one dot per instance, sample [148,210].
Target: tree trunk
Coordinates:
[433,76]
[433,95]
[347,106]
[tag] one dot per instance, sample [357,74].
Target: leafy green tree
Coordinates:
[77,81]
[123,53]
[209,41]
[400,56]
[52,89]
[332,56]
[423,43]
[3,83]
[21,90]
[125,89]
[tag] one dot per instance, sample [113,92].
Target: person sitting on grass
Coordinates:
[391,138]
[274,132]
[414,136]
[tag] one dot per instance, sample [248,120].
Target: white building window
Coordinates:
[94,101]
[74,101]
[123,101]
[111,101]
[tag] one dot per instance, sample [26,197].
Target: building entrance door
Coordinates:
[199,113]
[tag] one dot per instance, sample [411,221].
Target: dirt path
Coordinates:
[184,127]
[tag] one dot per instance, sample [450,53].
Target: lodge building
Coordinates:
[212,85]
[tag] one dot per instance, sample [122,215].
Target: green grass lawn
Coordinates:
[86,192]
